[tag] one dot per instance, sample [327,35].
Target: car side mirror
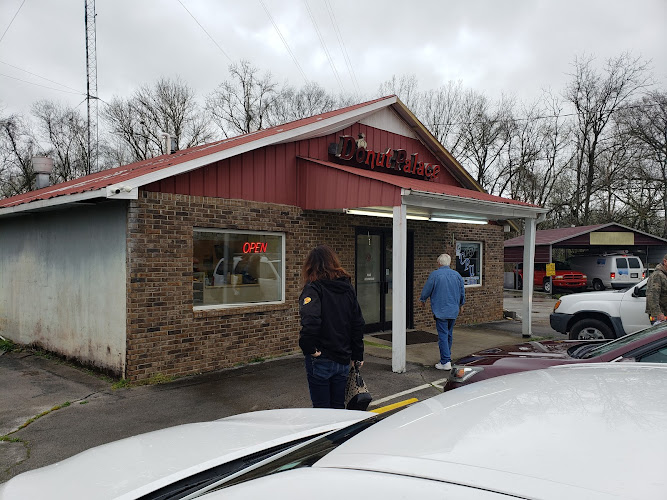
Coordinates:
[639,292]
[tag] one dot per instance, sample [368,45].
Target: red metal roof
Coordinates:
[322,194]
[101,180]
[551,236]
[561,235]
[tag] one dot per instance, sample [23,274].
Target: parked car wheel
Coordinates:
[547,286]
[598,286]
[590,329]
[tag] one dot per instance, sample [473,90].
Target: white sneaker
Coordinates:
[446,366]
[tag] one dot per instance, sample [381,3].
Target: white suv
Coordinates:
[598,315]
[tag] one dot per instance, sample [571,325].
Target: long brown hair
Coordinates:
[322,263]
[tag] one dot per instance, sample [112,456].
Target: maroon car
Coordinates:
[649,345]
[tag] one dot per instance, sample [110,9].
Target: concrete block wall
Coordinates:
[166,336]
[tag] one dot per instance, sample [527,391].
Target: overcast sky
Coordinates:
[494,46]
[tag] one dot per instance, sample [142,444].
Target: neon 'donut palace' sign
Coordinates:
[392,160]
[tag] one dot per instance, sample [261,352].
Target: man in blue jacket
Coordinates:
[446,290]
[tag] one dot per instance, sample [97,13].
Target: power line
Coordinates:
[324,46]
[204,29]
[38,76]
[11,22]
[341,41]
[275,26]
[37,84]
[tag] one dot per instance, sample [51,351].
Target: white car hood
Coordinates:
[513,434]
[605,296]
[135,466]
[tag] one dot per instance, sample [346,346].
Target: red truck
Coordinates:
[564,277]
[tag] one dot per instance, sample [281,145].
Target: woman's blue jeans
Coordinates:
[326,382]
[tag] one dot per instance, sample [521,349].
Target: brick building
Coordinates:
[190,262]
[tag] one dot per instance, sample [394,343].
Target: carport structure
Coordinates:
[598,238]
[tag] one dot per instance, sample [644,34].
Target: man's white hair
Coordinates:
[444,260]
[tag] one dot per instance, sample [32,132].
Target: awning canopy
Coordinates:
[330,186]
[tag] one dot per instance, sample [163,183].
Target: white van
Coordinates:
[614,270]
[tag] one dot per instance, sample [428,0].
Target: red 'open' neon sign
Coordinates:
[254,247]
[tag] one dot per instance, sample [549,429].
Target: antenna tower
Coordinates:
[91,85]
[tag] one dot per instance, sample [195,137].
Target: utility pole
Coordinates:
[91,85]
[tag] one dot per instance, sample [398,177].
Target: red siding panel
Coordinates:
[273,174]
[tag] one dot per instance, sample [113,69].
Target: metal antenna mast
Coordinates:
[91,85]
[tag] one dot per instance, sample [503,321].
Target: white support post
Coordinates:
[399,295]
[528,276]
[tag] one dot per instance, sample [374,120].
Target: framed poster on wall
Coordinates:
[469,261]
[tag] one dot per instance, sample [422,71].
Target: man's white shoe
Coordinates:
[446,366]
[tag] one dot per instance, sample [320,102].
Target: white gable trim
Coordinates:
[386,119]
[52,202]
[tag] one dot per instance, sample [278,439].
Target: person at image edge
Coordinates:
[332,327]
[446,289]
[656,293]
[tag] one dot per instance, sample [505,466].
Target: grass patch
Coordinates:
[155,379]
[257,359]
[55,408]
[121,384]
[376,344]
[7,345]
[8,439]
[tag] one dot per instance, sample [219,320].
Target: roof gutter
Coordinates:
[115,192]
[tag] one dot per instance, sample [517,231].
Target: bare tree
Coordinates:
[441,112]
[645,124]
[62,132]
[484,136]
[537,155]
[406,87]
[596,98]
[293,104]
[167,107]
[17,147]
[243,104]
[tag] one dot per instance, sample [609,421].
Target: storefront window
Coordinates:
[469,261]
[232,268]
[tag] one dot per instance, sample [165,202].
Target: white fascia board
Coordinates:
[315,129]
[51,202]
[492,210]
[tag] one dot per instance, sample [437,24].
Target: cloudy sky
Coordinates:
[512,46]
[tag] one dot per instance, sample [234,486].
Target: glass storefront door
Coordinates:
[374,278]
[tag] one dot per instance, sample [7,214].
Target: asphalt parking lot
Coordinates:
[77,410]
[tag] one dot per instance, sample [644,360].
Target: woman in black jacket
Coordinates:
[332,327]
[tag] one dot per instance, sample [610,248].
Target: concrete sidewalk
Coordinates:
[90,412]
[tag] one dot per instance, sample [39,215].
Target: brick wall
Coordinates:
[483,303]
[165,335]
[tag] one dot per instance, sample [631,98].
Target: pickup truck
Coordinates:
[565,277]
[598,315]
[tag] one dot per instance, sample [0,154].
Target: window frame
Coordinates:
[481,262]
[282,237]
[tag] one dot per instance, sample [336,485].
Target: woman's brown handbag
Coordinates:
[357,396]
